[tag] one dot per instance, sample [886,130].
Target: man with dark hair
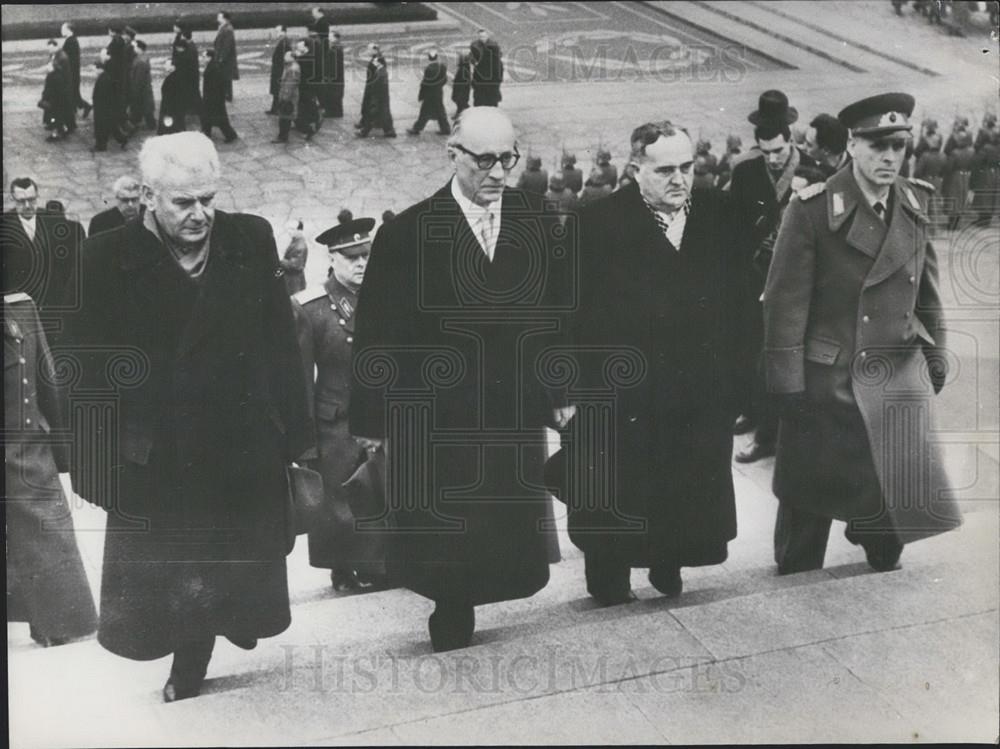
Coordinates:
[225,53]
[71,46]
[281,46]
[826,142]
[760,187]
[213,98]
[855,352]
[378,112]
[431,96]
[39,252]
[667,500]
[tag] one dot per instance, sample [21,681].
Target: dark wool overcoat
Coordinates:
[447,363]
[660,337]
[189,403]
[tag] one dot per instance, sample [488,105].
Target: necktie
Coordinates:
[879,210]
[486,233]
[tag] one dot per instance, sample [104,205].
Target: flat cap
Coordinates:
[348,239]
[879,115]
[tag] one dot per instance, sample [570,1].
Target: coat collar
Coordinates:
[902,243]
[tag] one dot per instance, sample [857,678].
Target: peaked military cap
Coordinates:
[348,238]
[879,115]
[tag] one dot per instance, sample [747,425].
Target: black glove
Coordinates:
[793,405]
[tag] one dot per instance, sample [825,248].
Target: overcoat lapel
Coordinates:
[900,245]
[846,202]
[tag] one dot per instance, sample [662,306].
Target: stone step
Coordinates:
[306,684]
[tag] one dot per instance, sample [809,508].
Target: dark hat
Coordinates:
[349,239]
[879,115]
[772,106]
[603,156]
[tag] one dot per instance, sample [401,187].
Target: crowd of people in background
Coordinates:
[953,15]
[307,84]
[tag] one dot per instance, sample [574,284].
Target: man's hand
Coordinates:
[370,445]
[561,416]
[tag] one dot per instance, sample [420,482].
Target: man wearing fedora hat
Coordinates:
[855,351]
[325,318]
[761,187]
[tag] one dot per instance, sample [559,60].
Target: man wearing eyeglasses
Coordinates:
[855,350]
[663,287]
[464,292]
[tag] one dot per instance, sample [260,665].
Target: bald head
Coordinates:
[482,132]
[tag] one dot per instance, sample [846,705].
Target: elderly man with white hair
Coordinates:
[128,207]
[186,328]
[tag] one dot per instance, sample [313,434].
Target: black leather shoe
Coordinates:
[743,425]
[187,673]
[411,131]
[667,580]
[884,556]
[344,579]
[279,140]
[451,626]
[612,597]
[755,452]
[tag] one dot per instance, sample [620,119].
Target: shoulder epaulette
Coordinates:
[309,294]
[811,191]
[16,297]
[920,183]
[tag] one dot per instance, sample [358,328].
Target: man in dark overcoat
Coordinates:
[186,331]
[659,492]
[71,46]
[213,99]
[225,53]
[281,46]
[326,321]
[377,110]
[141,105]
[46,583]
[128,207]
[431,96]
[335,75]
[760,188]
[58,93]
[487,70]
[319,41]
[39,253]
[463,292]
[855,350]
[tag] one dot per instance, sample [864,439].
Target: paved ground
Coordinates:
[744,655]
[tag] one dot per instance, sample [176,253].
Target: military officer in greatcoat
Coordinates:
[855,352]
[325,316]
[46,583]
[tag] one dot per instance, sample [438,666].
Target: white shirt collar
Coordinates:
[474,215]
[29,223]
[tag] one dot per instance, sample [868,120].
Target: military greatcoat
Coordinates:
[853,320]
[325,321]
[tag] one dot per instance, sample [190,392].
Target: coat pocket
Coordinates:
[822,351]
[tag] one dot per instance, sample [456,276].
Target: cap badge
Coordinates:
[891,118]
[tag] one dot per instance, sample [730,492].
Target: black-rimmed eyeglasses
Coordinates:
[486,161]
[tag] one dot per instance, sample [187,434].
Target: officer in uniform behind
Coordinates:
[325,318]
[855,352]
